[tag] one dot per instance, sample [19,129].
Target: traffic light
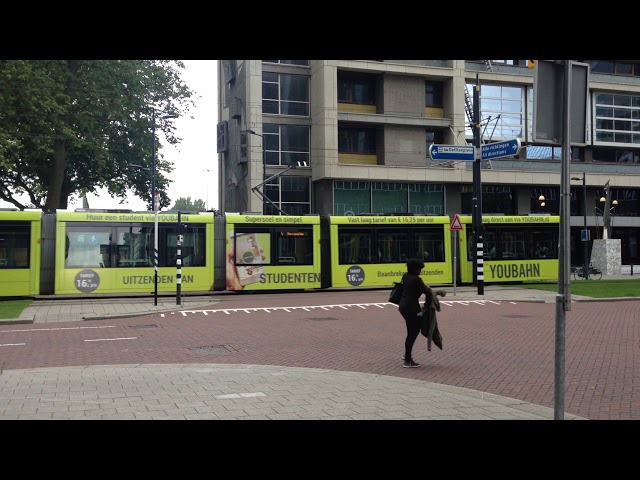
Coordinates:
[531,63]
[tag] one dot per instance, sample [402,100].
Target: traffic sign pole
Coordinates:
[455,260]
[477,191]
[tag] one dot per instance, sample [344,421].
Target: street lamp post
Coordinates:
[154,202]
[585,235]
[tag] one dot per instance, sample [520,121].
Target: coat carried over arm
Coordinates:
[429,325]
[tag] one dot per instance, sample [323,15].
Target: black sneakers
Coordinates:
[410,364]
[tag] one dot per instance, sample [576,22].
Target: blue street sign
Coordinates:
[452,152]
[500,149]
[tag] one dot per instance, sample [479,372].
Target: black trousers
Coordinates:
[412,320]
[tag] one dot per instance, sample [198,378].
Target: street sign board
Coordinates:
[500,149]
[452,152]
[548,102]
[455,223]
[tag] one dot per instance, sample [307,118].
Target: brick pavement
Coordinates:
[601,370]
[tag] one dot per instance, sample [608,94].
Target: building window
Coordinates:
[502,107]
[544,152]
[610,67]
[602,66]
[356,89]
[358,198]
[434,96]
[389,197]
[617,118]
[303,63]
[628,202]
[426,198]
[495,199]
[285,94]
[290,194]
[613,155]
[551,202]
[434,137]
[351,198]
[285,144]
[356,140]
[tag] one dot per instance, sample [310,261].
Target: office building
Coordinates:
[348,137]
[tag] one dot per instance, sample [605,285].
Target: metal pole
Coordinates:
[477,188]
[155,208]
[264,171]
[455,261]
[585,264]
[563,298]
[179,262]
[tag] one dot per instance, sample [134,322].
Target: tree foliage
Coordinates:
[186,205]
[70,127]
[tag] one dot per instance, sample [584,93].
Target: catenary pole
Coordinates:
[477,189]
[563,298]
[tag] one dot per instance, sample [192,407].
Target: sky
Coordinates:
[194,159]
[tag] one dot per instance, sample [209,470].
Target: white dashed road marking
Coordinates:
[54,329]
[307,308]
[110,339]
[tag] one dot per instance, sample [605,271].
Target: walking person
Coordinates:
[413,287]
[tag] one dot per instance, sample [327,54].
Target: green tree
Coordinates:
[186,205]
[69,127]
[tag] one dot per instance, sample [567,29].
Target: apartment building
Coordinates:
[348,137]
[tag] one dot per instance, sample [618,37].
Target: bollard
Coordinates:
[632,269]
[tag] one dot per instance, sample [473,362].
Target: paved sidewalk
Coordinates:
[216,391]
[248,392]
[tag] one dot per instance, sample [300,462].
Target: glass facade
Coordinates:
[616,119]
[357,198]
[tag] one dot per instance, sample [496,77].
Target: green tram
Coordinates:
[372,251]
[20,250]
[111,252]
[87,252]
[515,248]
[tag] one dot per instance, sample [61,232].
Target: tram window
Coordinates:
[430,245]
[192,247]
[14,245]
[86,245]
[294,246]
[512,245]
[134,246]
[392,246]
[489,245]
[543,243]
[354,246]
[470,242]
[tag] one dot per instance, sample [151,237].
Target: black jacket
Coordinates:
[413,287]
